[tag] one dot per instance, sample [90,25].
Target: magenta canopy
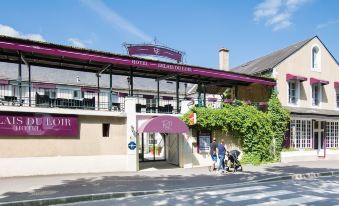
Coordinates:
[44,86]
[295,77]
[336,84]
[4,82]
[163,124]
[90,89]
[318,81]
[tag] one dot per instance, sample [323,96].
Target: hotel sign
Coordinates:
[38,125]
[154,50]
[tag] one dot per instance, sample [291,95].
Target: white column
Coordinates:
[132,154]
[185,150]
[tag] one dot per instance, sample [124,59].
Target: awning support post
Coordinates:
[204,87]
[158,94]
[29,80]
[98,79]
[20,80]
[177,93]
[110,89]
[131,81]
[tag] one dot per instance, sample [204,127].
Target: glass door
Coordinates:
[319,135]
[152,147]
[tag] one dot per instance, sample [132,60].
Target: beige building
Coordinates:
[307,76]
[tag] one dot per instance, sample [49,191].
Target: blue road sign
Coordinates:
[132,145]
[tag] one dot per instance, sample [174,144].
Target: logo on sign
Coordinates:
[156,50]
[132,145]
[166,124]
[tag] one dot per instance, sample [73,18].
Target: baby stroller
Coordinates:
[233,159]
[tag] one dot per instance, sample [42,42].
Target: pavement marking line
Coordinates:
[257,196]
[233,190]
[292,201]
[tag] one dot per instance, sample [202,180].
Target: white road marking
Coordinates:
[257,196]
[292,201]
[229,191]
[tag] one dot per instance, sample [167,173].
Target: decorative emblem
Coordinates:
[166,124]
[156,50]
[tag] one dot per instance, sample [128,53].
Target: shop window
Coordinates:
[316,94]
[300,133]
[50,92]
[105,129]
[332,134]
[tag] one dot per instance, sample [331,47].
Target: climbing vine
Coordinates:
[261,133]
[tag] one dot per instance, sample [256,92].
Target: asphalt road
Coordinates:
[320,191]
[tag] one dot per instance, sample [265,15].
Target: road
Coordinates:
[320,191]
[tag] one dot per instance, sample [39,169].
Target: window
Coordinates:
[332,134]
[50,92]
[151,102]
[78,95]
[105,129]
[316,94]
[337,94]
[293,91]
[300,133]
[315,58]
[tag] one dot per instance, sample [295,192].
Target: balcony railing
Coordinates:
[15,95]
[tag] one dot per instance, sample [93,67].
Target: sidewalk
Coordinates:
[55,186]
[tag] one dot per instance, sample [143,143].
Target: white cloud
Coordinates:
[117,21]
[76,42]
[277,13]
[9,31]
[327,24]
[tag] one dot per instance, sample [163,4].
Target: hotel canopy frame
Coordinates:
[34,53]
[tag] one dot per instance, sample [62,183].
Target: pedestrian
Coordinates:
[221,152]
[213,153]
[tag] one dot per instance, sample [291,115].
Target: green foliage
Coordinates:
[256,130]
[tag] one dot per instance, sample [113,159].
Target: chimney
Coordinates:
[224,63]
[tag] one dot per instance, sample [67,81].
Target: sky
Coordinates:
[199,28]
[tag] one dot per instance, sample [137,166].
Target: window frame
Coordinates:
[297,92]
[313,95]
[318,59]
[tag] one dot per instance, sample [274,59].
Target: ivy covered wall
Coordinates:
[260,133]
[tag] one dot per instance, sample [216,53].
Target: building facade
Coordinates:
[72,110]
[307,78]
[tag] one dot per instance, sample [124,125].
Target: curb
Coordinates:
[114,195]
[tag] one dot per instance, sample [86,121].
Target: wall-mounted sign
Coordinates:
[38,125]
[132,145]
[154,50]
[204,142]
[192,119]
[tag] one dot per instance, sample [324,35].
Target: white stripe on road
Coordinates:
[257,196]
[293,201]
[228,191]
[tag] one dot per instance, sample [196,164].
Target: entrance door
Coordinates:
[173,149]
[318,137]
[152,147]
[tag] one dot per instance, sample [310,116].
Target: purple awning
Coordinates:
[43,86]
[59,51]
[164,124]
[89,89]
[167,98]
[121,94]
[336,84]
[295,77]
[148,96]
[4,81]
[318,81]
